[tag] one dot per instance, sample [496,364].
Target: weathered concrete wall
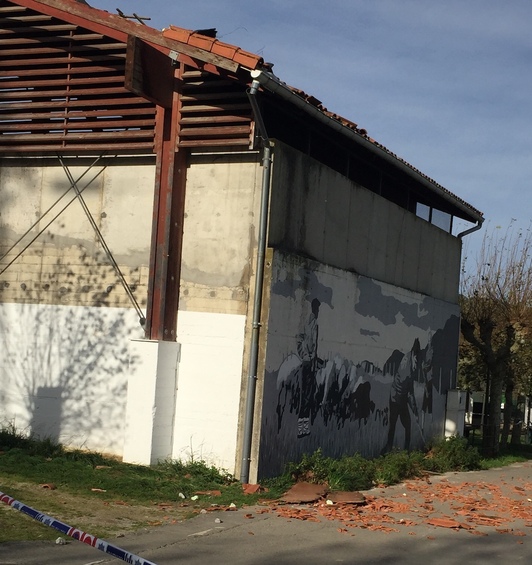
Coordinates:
[352,364]
[66,264]
[77,350]
[66,322]
[223,193]
[221,222]
[317,212]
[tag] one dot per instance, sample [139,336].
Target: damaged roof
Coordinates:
[203,50]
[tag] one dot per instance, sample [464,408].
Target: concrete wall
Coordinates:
[317,212]
[352,364]
[223,193]
[66,322]
[67,326]
[66,264]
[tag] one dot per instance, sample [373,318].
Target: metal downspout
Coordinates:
[259,284]
[471,230]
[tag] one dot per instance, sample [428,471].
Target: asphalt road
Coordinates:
[480,517]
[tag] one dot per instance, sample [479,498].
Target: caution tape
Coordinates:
[79,535]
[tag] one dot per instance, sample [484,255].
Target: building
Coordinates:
[199,260]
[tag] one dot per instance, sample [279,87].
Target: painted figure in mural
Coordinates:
[427,368]
[402,398]
[360,405]
[307,349]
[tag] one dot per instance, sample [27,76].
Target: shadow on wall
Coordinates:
[65,371]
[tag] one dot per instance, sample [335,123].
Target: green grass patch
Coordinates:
[24,459]
[354,472]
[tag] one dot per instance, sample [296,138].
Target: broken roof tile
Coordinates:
[232,52]
[304,492]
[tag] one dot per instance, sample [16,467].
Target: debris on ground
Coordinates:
[474,507]
[304,492]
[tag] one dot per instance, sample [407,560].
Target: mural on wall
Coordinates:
[352,365]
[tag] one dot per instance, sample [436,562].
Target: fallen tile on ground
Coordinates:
[304,492]
[345,497]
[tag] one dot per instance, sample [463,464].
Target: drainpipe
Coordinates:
[259,284]
[471,230]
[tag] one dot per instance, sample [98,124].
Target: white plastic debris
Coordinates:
[232,505]
[203,511]
[181,495]
[329,502]
[217,521]
[60,541]
[195,497]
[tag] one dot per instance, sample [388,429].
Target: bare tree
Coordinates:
[496,300]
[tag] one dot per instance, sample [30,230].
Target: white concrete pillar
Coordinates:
[455,413]
[151,401]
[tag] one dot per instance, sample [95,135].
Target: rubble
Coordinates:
[474,507]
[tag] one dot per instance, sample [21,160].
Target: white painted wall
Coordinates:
[208,387]
[151,398]
[63,372]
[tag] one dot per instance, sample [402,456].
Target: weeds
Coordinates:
[453,454]
[357,473]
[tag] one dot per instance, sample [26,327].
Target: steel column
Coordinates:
[168,219]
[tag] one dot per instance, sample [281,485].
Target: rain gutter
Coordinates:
[273,84]
[259,285]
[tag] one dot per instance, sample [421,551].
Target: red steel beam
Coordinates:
[167,227]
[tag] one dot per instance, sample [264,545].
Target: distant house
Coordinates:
[199,260]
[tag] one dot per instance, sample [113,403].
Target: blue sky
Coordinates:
[444,85]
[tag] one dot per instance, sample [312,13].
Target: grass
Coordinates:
[89,485]
[76,471]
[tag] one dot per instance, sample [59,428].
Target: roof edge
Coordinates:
[269,81]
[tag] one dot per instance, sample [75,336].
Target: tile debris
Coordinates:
[304,492]
[477,508]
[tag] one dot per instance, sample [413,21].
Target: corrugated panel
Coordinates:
[62,89]
[214,112]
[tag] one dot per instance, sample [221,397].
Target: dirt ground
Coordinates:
[88,512]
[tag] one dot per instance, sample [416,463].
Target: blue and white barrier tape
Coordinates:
[79,535]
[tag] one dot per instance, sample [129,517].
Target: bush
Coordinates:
[200,470]
[396,466]
[352,472]
[452,454]
[314,468]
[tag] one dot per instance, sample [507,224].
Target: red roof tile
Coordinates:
[244,58]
